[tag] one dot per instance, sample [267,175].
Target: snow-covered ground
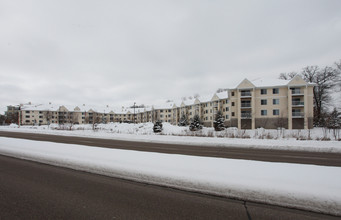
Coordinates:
[259,138]
[309,187]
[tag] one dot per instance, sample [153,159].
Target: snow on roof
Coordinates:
[268,82]
[168,105]
[222,95]
[188,101]
[40,107]
[205,98]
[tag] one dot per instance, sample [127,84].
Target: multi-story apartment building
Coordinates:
[272,104]
[252,104]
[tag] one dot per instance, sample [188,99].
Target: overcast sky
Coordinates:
[117,52]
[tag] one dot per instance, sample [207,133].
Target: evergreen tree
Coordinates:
[218,123]
[183,120]
[195,124]
[157,127]
[334,123]
[334,120]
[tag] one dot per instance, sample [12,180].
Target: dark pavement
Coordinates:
[30,190]
[326,159]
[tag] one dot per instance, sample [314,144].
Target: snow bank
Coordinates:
[287,139]
[309,187]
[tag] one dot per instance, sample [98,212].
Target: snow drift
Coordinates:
[309,187]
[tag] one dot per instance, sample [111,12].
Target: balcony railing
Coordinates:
[298,114]
[245,94]
[297,92]
[297,103]
[246,105]
[246,115]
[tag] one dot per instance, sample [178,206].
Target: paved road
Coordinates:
[30,190]
[327,159]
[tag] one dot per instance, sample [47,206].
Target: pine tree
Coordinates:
[157,127]
[195,124]
[218,123]
[183,120]
[334,123]
[334,119]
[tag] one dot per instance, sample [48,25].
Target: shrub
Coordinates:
[157,128]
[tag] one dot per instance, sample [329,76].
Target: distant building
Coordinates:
[252,104]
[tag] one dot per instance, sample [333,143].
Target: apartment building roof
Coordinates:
[268,82]
[168,105]
[222,95]
[205,98]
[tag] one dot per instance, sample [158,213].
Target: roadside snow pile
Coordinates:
[309,187]
[231,137]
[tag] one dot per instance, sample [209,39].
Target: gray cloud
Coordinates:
[118,52]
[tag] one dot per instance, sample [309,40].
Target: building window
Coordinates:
[227,109]
[227,116]
[275,91]
[263,91]
[232,93]
[161,110]
[263,102]
[263,112]
[232,103]
[275,101]
[275,112]
[27,116]
[27,112]
[210,110]
[232,114]
[190,113]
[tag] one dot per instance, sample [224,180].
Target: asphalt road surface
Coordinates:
[30,190]
[326,159]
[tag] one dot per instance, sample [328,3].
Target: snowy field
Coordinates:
[303,140]
[309,187]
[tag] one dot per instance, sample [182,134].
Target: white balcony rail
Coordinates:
[297,103]
[246,105]
[298,114]
[246,115]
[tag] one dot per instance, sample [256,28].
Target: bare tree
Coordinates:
[325,79]
[221,90]
[287,76]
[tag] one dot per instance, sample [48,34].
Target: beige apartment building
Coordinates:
[272,104]
[252,104]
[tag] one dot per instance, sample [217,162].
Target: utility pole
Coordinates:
[134,111]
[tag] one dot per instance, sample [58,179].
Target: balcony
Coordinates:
[246,115]
[298,114]
[296,92]
[297,103]
[245,94]
[245,105]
